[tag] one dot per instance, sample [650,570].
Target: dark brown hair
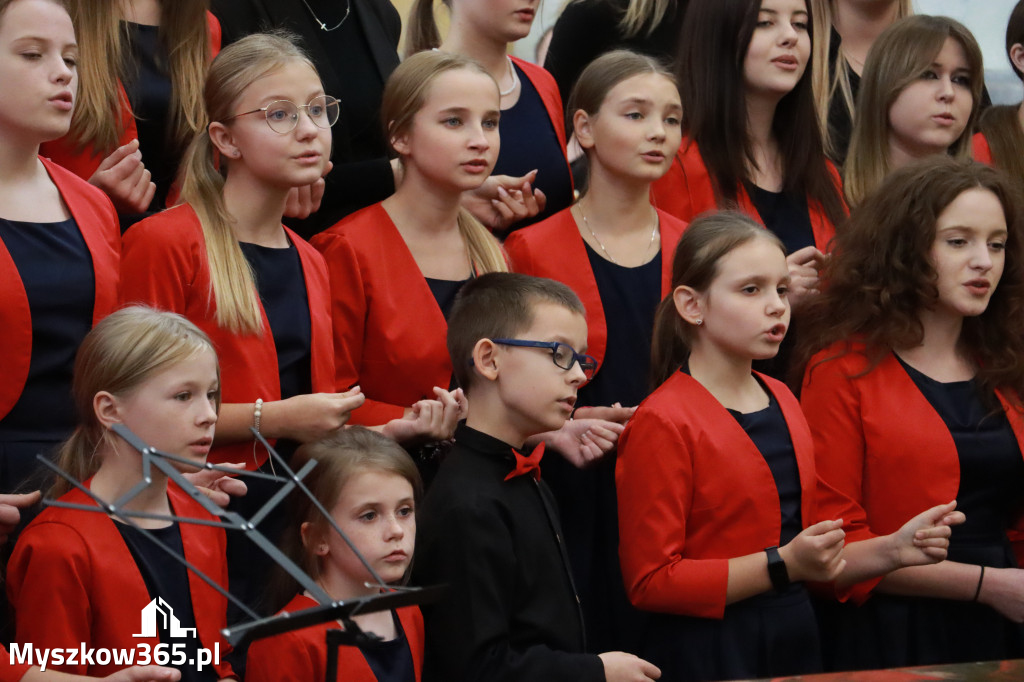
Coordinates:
[1001,125]
[713,46]
[705,242]
[498,305]
[880,275]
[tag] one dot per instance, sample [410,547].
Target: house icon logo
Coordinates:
[157,613]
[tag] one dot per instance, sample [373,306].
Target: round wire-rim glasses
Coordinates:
[283,115]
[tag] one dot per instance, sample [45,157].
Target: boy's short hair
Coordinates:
[498,305]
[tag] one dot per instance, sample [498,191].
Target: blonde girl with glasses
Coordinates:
[224,260]
[58,238]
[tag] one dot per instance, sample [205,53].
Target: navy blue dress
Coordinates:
[57,271]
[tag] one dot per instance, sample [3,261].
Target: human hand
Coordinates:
[429,421]
[583,441]
[924,539]
[804,265]
[144,673]
[614,413]
[123,177]
[10,514]
[622,667]
[310,417]
[218,486]
[503,200]
[303,202]
[816,553]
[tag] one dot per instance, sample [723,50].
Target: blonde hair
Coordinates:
[119,354]
[901,54]
[232,285]
[832,79]
[104,63]
[404,95]
[643,16]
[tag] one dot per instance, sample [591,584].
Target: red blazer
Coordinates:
[389,333]
[694,492]
[72,580]
[10,672]
[882,446]
[547,88]
[165,266]
[686,191]
[84,162]
[301,655]
[554,248]
[980,149]
[98,224]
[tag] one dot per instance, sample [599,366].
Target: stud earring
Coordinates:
[699,322]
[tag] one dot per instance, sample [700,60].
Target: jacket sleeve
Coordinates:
[158,266]
[654,480]
[467,632]
[349,308]
[283,658]
[48,584]
[831,401]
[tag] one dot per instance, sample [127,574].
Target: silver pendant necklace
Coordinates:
[654,233]
[323,26]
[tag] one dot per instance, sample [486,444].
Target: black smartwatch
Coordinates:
[777,569]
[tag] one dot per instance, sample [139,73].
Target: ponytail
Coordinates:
[670,346]
[484,250]
[421,33]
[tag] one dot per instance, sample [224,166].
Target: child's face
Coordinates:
[453,139]
[376,510]
[745,309]
[636,132]
[931,113]
[968,253]
[537,395]
[285,160]
[38,57]
[779,48]
[175,409]
[500,20]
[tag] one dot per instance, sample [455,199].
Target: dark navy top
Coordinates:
[768,429]
[444,291]
[785,215]
[148,86]
[56,269]
[282,290]
[167,580]
[528,142]
[629,297]
[391,661]
[991,466]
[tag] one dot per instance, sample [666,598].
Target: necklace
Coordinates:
[654,233]
[511,72]
[323,26]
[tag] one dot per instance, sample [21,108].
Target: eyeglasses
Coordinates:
[283,115]
[563,355]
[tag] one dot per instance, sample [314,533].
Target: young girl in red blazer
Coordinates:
[370,486]
[59,242]
[532,115]
[913,397]
[716,476]
[751,135]
[83,578]
[613,248]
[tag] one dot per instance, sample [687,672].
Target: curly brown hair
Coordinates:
[880,275]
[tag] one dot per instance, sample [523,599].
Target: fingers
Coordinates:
[808,256]
[541,199]
[118,155]
[125,179]
[823,527]
[21,501]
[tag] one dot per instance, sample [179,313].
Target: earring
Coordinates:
[235,153]
[699,322]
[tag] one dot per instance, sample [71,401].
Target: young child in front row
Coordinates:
[489,526]
[371,486]
[79,577]
[716,479]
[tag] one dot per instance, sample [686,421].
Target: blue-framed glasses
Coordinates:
[563,355]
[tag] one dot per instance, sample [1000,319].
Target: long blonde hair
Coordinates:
[643,16]
[404,95]
[832,79]
[120,353]
[901,54]
[232,285]
[98,120]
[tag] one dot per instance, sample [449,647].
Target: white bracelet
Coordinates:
[257,412]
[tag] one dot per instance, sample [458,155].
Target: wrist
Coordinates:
[273,419]
[778,573]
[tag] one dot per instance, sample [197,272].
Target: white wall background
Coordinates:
[985,18]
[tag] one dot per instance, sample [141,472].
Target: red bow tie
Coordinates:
[527,464]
